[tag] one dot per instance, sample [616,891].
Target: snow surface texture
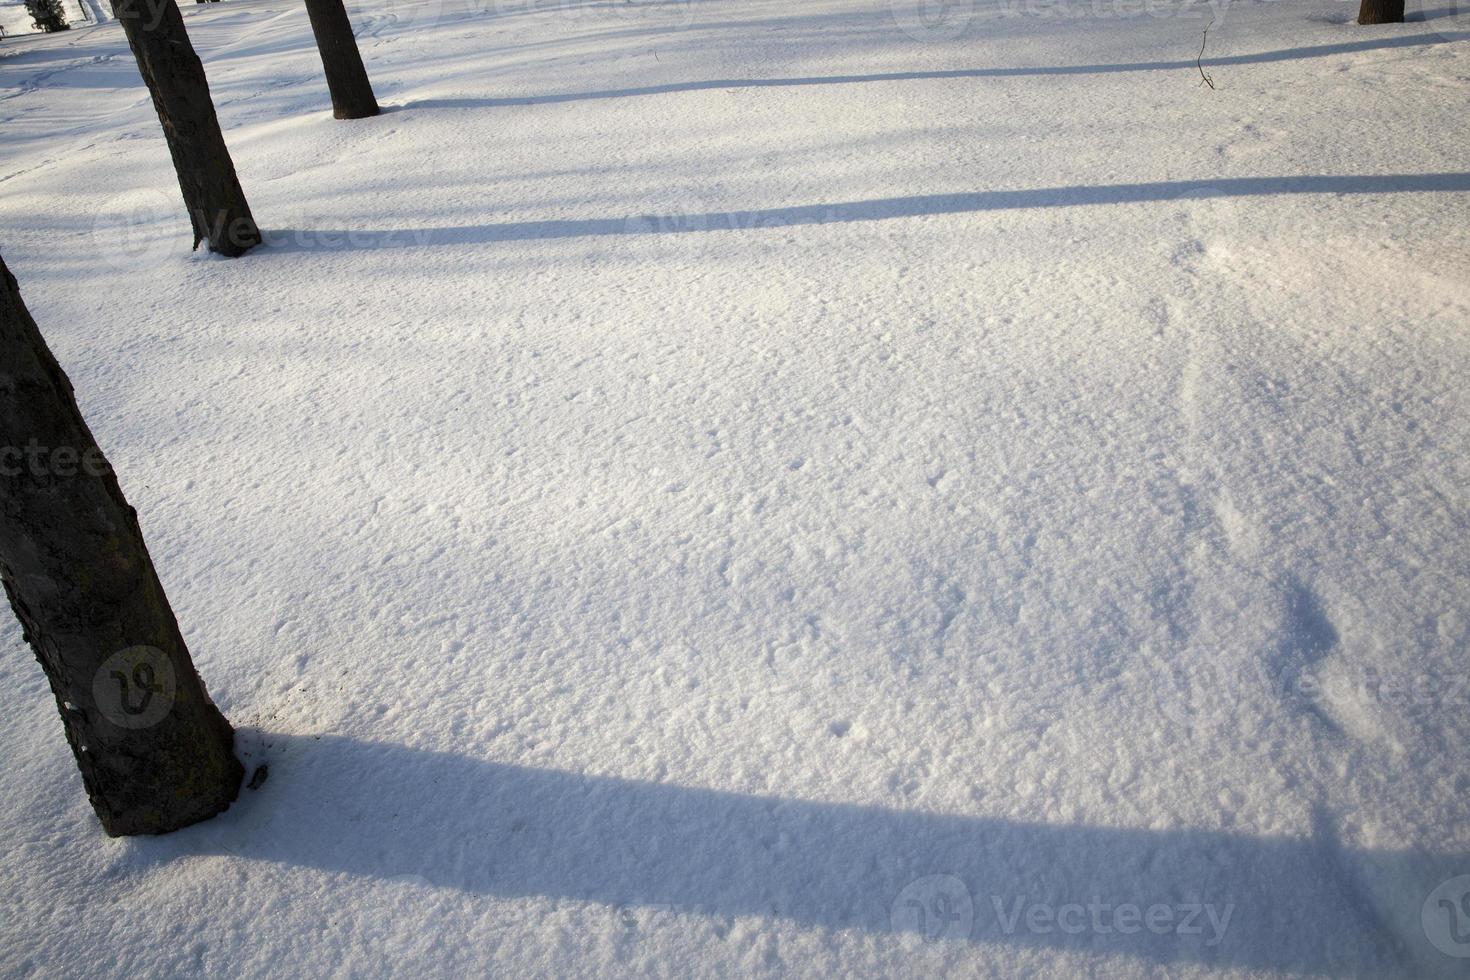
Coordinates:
[771,488]
[14,19]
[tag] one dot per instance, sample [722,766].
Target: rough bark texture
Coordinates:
[1381,12]
[352,94]
[175,78]
[154,751]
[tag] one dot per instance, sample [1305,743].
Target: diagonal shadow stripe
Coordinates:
[1264,57]
[1297,904]
[880,209]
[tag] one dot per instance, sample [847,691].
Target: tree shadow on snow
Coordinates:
[383,811]
[303,240]
[1288,54]
[1437,13]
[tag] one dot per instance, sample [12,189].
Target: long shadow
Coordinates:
[1289,54]
[302,240]
[1437,13]
[384,811]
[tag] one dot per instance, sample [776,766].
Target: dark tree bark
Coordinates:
[154,751]
[175,78]
[1381,12]
[352,94]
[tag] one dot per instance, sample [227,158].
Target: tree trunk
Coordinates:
[154,751]
[352,94]
[1381,12]
[175,78]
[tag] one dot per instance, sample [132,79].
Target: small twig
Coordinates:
[1198,59]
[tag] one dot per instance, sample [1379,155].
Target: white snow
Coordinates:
[738,487]
[14,19]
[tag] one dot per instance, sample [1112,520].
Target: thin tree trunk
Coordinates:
[1381,12]
[352,94]
[154,751]
[175,78]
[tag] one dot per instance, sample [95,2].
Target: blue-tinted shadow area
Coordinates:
[880,209]
[701,85]
[1297,905]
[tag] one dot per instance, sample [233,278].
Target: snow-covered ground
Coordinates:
[756,487]
[14,18]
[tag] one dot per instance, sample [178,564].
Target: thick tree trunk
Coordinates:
[1381,12]
[175,78]
[154,751]
[352,94]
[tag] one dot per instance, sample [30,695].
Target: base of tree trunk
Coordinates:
[352,93]
[356,113]
[154,751]
[1381,12]
[175,78]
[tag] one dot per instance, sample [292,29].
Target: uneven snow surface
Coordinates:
[759,487]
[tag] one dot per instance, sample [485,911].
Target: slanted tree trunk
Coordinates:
[154,751]
[175,78]
[352,94]
[1381,12]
